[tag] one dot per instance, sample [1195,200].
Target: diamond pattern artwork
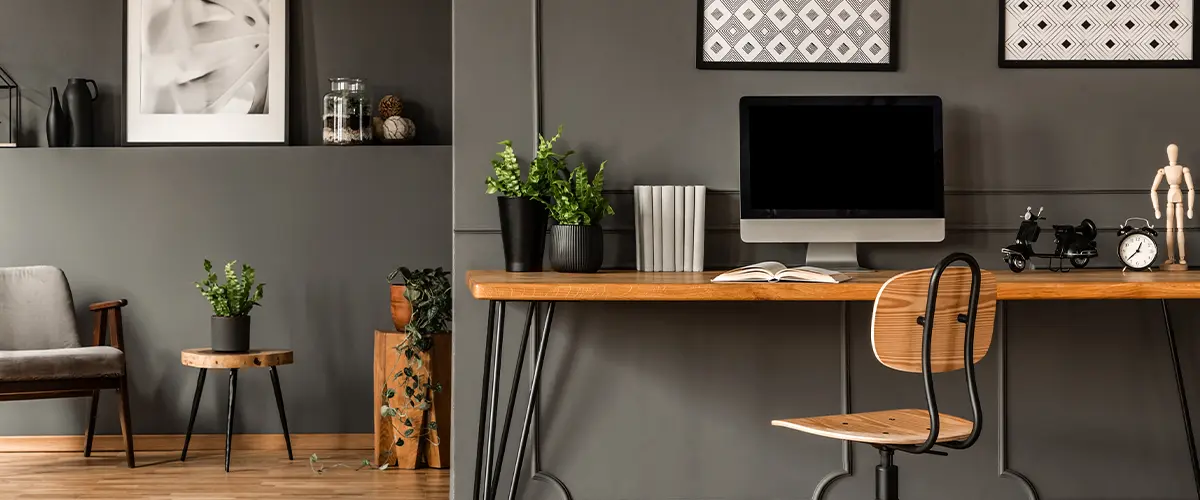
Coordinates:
[1098,31]
[775,34]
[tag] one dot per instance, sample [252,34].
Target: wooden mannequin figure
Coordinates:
[1175,175]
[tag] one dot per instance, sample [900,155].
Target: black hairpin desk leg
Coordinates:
[1183,403]
[491,445]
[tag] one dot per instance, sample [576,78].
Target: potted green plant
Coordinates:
[231,303]
[523,203]
[576,238]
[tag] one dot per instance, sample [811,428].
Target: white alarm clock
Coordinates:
[1136,247]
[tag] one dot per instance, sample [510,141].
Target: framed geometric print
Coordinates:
[1097,33]
[829,35]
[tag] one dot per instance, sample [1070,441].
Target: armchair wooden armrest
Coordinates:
[112,304]
[108,323]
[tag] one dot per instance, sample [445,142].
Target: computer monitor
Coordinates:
[834,171]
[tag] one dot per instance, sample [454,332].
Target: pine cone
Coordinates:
[390,106]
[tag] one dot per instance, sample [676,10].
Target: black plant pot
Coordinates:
[576,249]
[523,229]
[231,334]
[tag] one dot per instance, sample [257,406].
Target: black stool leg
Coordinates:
[229,418]
[287,438]
[187,438]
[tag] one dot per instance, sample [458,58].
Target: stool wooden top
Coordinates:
[255,358]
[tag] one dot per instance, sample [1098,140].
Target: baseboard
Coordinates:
[174,442]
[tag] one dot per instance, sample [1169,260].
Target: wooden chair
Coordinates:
[928,321]
[40,355]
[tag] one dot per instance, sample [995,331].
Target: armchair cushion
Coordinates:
[61,364]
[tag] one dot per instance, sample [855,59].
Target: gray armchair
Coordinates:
[40,355]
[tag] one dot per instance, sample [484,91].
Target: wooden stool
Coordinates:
[206,358]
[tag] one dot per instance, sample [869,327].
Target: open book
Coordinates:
[774,271]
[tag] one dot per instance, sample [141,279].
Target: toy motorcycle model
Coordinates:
[1074,243]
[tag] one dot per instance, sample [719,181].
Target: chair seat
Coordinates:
[61,364]
[881,427]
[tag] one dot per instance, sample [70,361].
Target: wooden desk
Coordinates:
[546,289]
[623,286]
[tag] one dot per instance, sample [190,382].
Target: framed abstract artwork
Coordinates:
[1097,34]
[827,35]
[206,72]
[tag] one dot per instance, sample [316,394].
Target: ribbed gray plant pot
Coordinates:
[576,249]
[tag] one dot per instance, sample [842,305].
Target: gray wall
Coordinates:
[399,46]
[322,226]
[650,401]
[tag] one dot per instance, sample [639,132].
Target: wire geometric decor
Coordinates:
[12,120]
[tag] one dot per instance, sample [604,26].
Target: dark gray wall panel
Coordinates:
[322,226]
[400,46]
[674,400]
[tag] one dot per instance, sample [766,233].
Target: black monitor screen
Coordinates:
[836,157]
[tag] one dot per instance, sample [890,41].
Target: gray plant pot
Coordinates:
[231,334]
[576,249]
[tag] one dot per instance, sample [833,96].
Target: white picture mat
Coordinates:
[217,128]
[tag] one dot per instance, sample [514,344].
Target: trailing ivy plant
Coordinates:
[579,201]
[429,293]
[542,170]
[237,296]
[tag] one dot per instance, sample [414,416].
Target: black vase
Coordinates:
[523,229]
[231,334]
[79,98]
[58,129]
[576,249]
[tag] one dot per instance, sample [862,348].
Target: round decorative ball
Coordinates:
[399,129]
[390,106]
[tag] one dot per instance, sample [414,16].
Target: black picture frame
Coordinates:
[123,100]
[893,63]
[1002,62]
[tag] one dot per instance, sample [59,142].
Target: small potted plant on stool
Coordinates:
[576,239]
[231,302]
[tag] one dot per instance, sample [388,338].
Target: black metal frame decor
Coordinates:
[9,86]
[798,35]
[1097,34]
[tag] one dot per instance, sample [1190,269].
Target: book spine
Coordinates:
[645,200]
[679,223]
[656,228]
[637,226]
[689,227]
[668,230]
[698,241]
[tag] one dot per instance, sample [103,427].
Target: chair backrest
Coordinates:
[897,332]
[36,309]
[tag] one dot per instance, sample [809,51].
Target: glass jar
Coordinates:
[347,117]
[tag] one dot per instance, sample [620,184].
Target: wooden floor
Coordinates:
[253,474]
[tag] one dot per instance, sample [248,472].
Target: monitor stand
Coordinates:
[842,257]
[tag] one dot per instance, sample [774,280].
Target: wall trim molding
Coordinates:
[954,228]
[174,442]
[959,192]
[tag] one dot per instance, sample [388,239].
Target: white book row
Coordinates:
[670,227]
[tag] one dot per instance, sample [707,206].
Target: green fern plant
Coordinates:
[579,201]
[546,164]
[237,296]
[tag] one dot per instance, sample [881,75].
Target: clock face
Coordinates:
[1138,251]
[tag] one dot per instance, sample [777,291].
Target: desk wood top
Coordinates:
[623,286]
